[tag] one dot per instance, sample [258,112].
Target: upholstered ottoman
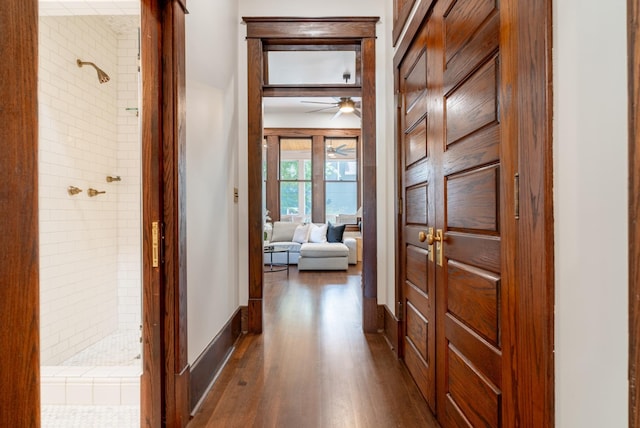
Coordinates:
[323,256]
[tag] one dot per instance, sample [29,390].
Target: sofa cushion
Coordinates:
[325,249]
[283,231]
[293,247]
[318,233]
[301,234]
[335,232]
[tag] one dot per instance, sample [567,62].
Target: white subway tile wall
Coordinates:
[84,137]
[129,188]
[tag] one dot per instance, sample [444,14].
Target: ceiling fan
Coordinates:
[343,104]
[341,150]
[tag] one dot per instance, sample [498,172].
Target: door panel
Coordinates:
[468,286]
[416,141]
[473,296]
[473,104]
[478,399]
[417,259]
[461,20]
[472,200]
[451,176]
[416,205]
[419,335]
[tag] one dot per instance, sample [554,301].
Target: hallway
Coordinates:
[313,366]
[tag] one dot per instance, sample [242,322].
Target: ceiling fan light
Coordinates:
[347,105]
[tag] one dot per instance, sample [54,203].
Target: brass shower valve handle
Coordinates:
[93,192]
[73,190]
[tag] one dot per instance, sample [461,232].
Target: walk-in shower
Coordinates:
[90,233]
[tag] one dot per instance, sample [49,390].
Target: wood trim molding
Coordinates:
[401,12]
[174,215]
[356,27]
[317,180]
[19,266]
[272,191]
[391,330]
[254,182]
[308,132]
[151,386]
[206,368]
[369,204]
[164,381]
[424,8]
[527,28]
[633,17]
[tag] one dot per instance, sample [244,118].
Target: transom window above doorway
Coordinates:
[316,65]
[328,67]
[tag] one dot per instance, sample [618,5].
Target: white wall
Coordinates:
[590,163]
[79,132]
[211,165]
[384,88]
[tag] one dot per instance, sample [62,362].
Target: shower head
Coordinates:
[102,76]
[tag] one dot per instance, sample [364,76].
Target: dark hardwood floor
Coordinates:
[313,366]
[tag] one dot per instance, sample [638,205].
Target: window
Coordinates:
[295,179]
[341,180]
[312,175]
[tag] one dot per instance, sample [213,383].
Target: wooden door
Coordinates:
[417,267]
[451,161]
[468,214]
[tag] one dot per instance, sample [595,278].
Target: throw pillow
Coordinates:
[335,232]
[318,233]
[301,234]
[283,231]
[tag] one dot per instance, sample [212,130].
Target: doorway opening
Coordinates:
[267,40]
[90,213]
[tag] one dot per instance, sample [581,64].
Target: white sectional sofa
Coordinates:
[309,247]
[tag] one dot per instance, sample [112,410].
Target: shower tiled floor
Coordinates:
[90,416]
[98,387]
[118,349]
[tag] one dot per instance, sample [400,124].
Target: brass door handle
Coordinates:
[422,236]
[440,238]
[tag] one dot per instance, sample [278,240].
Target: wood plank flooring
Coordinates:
[313,366]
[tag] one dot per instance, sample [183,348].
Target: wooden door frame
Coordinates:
[165,378]
[633,40]
[19,242]
[528,383]
[164,383]
[311,31]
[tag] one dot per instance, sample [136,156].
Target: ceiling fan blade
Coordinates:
[318,102]
[357,113]
[320,109]
[341,146]
[338,113]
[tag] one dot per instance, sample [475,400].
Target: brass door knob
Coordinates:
[422,236]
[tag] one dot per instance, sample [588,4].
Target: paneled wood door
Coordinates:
[469,176]
[418,269]
[451,161]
